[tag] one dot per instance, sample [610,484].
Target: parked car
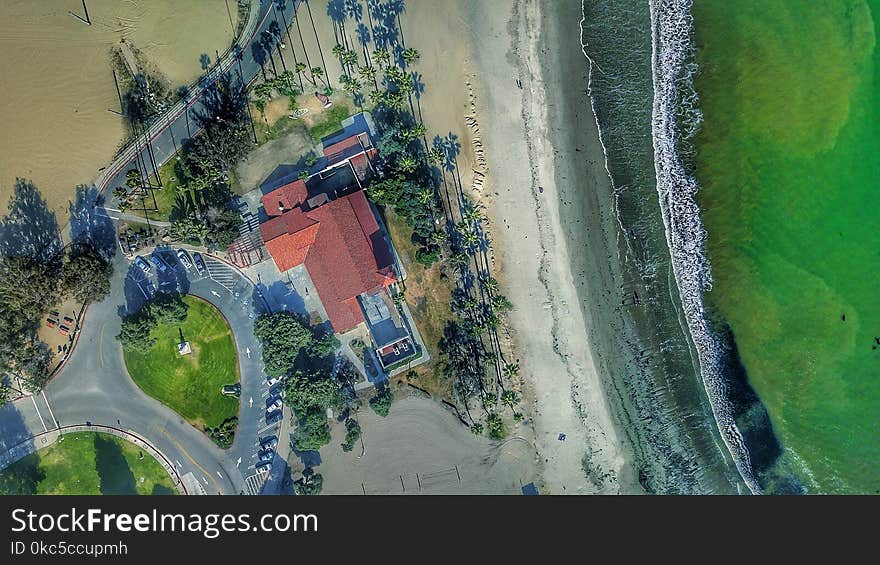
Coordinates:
[266,455]
[270,442]
[159,262]
[184,258]
[231,390]
[200,263]
[144,266]
[273,404]
[272,380]
[273,417]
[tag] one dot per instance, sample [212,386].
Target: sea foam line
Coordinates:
[671,43]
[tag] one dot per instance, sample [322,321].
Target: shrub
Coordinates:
[381,403]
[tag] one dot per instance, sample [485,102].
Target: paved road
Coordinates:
[180,122]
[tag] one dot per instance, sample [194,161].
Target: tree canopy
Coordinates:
[283,336]
[85,275]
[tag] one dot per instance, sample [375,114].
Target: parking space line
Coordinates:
[45,429]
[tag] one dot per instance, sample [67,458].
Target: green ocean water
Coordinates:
[788,160]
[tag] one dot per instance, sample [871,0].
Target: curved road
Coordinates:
[94,385]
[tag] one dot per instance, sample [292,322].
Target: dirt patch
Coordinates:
[422,448]
[58,343]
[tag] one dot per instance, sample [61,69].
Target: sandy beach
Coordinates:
[532,176]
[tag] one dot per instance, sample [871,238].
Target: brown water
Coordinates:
[57,86]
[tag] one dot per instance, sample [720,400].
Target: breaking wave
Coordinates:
[675,117]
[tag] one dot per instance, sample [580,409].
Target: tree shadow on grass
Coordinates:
[113,470]
[29,229]
[24,476]
[162,490]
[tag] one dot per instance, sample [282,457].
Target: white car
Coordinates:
[272,380]
[184,258]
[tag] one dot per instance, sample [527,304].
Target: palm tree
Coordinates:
[510,398]
[299,68]
[438,238]
[510,370]
[382,57]
[368,73]
[410,55]
[425,195]
[459,261]
[474,214]
[350,59]
[490,285]
[407,164]
[337,51]
[436,156]
[414,132]
[318,73]
[350,84]
[470,240]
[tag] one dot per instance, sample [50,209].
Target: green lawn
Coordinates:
[190,384]
[87,463]
[331,121]
[166,198]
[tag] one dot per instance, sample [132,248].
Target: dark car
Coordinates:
[266,455]
[160,263]
[200,264]
[273,417]
[231,390]
[270,442]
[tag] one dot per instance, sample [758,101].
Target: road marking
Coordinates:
[270,426]
[251,402]
[205,480]
[215,293]
[101,345]
[237,463]
[46,400]
[248,351]
[188,456]
[178,463]
[45,429]
[219,475]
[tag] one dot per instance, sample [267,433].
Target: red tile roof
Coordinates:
[289,196]
[343,250]
[332,150]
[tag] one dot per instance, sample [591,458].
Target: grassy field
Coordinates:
[428,297]
[190,384]
[165,198]
[87,463]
